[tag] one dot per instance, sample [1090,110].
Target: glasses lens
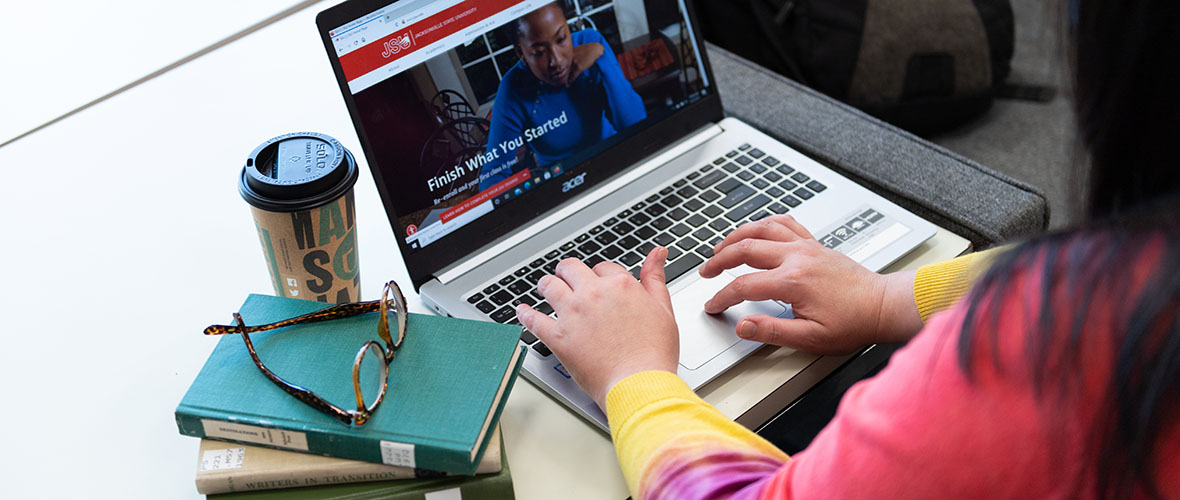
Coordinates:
[393,314]
[369,375]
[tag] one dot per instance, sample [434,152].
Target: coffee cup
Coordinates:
[299,188]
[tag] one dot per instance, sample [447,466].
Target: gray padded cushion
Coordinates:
[980,204]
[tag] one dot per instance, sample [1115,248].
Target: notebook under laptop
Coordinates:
[505,135]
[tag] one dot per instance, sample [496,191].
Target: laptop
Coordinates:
[506,135]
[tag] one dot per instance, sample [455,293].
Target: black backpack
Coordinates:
[923,65]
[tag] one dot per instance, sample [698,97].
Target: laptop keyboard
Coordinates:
[689,217]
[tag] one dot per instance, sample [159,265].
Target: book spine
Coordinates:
[272,434]
[209,483]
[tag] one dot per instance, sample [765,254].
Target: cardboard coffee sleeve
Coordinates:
[299,187]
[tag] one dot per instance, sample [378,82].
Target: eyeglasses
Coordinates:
[371,354]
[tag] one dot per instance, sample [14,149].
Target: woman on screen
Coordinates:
[566,93]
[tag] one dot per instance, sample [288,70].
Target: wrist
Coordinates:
[899,319]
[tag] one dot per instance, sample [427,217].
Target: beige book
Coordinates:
[224,467]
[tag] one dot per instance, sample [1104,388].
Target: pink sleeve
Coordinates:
[920,429]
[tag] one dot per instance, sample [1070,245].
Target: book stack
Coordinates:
[436,427]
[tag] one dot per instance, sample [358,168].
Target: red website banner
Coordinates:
[418,35]
[485,195]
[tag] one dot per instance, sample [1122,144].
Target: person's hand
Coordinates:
[609,326]
[584,56]
[839,305]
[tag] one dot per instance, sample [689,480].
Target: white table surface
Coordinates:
[61,54]
[125,235]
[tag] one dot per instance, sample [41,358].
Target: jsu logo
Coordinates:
[397,44]
[573,183]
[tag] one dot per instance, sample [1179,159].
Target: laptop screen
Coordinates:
[467,108]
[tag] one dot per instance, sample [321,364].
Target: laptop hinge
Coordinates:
[546,221]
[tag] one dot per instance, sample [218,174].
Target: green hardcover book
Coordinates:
[447,386]
[496,486]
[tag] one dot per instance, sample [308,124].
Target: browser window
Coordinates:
[470,105]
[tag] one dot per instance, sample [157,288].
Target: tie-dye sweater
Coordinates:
[919,429]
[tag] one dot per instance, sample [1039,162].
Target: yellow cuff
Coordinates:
[939,286]
[641,389]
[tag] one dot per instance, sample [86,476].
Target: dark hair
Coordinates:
[1126,56]
[517,30]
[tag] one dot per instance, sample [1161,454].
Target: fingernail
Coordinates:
[520,312]
[746,329]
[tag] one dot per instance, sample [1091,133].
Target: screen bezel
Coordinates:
[423,263]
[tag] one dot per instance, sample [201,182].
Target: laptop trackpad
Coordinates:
[703,336]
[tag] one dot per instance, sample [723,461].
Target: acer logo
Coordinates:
[396,44]
[573,183]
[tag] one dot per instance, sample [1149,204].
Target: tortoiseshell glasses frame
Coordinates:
[391,297]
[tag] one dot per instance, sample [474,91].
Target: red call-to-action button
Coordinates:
[420,34]
[485,195]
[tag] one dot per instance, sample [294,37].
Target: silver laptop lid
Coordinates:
[477,116]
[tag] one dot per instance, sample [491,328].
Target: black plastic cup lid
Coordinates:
[297,171]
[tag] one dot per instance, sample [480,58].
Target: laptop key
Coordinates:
[728,185]
[709,180]
[624,214]
[719,225]
[542,349]
[687,244]
[756,153]
[628,241]
[731,167]
[736,196]
[589,247]
[693,205]
[605,238]
[772,176]
[679,184]
[683,265]
[719,161]
[703,234]
[630,259]
[770,161]
[791,200]
[696,220]
[706,251]
[693,176]
[816,186]
[597,229]
[521,272]
[687,192]
[475,298]
[535,276]
[673,253]
[778,208]
[677,214]
[491,289]
[774,192]
[745,176]
[645,248]
[503,315]
[623,228]
[744,147]
[639,219]
[747,207]
[537,263]
[567,246]
[743,160]
[665,191]
[527,336]
[593,260]
[638,206]
[610,222]
[485,307]
[709,196]
[524,299]
[611,253]
[804,194]
[635,271]
[731,154]
[761,183]
[680,230]
[543,308]
[758,169]
[661,224]
[550,267]
[655,210]
[519,287]
[785,169]
[505,281]
[664,239]
[800,177]
[760,215]
[672,200]
[645,232]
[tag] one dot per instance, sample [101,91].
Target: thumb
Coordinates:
[794,333]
